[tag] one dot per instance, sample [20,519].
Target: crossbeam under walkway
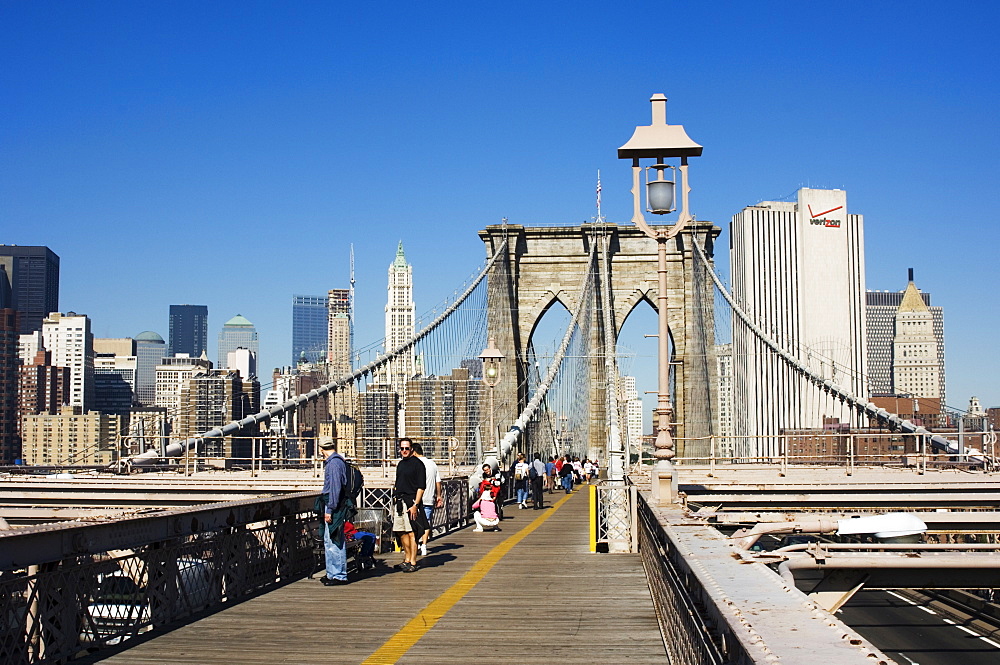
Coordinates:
[532,593]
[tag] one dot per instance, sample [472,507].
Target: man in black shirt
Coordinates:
[407,497]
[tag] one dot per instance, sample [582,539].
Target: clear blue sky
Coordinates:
[228,153]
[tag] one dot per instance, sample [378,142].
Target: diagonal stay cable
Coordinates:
[829,386]
[175,449]
[583,302]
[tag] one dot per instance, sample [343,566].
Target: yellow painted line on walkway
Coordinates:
[397,645]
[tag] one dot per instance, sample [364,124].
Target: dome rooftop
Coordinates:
[148,336]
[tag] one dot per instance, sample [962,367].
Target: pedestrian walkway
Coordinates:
[530,594]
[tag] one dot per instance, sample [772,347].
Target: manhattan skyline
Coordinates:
[229,155]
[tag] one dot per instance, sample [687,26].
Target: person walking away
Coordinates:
[432,493]
[334,513]
[486,513]
[521,472]
[537,475]
[550,475]
[566,473]
[407,496]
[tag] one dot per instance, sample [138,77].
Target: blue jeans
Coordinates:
[567,482]
[522,495]
[336,553]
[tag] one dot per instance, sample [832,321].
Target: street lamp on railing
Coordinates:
[661,141]
[491,357]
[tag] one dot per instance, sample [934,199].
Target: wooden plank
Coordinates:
[547,600]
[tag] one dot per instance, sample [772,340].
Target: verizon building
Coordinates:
[798,271]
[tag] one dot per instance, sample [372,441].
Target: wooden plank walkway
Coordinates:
[545,600]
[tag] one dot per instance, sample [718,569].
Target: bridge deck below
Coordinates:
[546,600]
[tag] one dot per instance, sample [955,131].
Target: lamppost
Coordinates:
[661,141]
[491,357]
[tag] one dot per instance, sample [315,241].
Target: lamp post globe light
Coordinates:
[660,141]
[491,357]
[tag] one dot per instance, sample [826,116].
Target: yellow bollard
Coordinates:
[593,518]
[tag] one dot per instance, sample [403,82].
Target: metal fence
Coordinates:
[71,589]
[614,524]
[687,637]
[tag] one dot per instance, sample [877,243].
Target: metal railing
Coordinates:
[687,637]
[72,588]
[843,449]
[67,589]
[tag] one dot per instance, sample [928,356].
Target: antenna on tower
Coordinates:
[350,304]
[600,218]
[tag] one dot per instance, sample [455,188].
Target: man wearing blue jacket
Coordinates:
[334,543]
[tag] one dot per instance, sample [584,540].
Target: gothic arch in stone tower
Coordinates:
[548,263]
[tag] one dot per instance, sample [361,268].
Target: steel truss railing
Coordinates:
[71,588]
[862,405]
[238,426]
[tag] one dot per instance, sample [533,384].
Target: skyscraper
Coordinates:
[309,322]
[68,338]
[883,307]
[236,333]
[339,331]
[798,269]
[188,330]
[399,322]
[9,326]
[150,349]
[33,273]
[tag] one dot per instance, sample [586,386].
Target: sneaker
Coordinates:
[410,568]
[423,549]
[478,529]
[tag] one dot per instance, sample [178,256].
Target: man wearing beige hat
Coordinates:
[334,480]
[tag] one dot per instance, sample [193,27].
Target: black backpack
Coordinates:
[355,483]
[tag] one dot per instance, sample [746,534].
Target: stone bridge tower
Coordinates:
[549,264]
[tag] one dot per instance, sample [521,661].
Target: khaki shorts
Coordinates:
[401,523]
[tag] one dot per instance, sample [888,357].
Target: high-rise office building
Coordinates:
[798,269]
[150,349]
[400,322]
[68,338]
[377,422]
[443,414]
[115,367]
[631,405]
[70,437]
[188,330]
[914,349]
[339,328]
[33,273]
[309,322]
[172,375]
[9,334]
[724,406]
[211,399]
[237,333]
[883,307]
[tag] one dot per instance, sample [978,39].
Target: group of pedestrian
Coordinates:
[416,493]
[571,471]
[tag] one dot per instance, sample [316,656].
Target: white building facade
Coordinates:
[915,366]
[399,323]
[798,270]
[69,339]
